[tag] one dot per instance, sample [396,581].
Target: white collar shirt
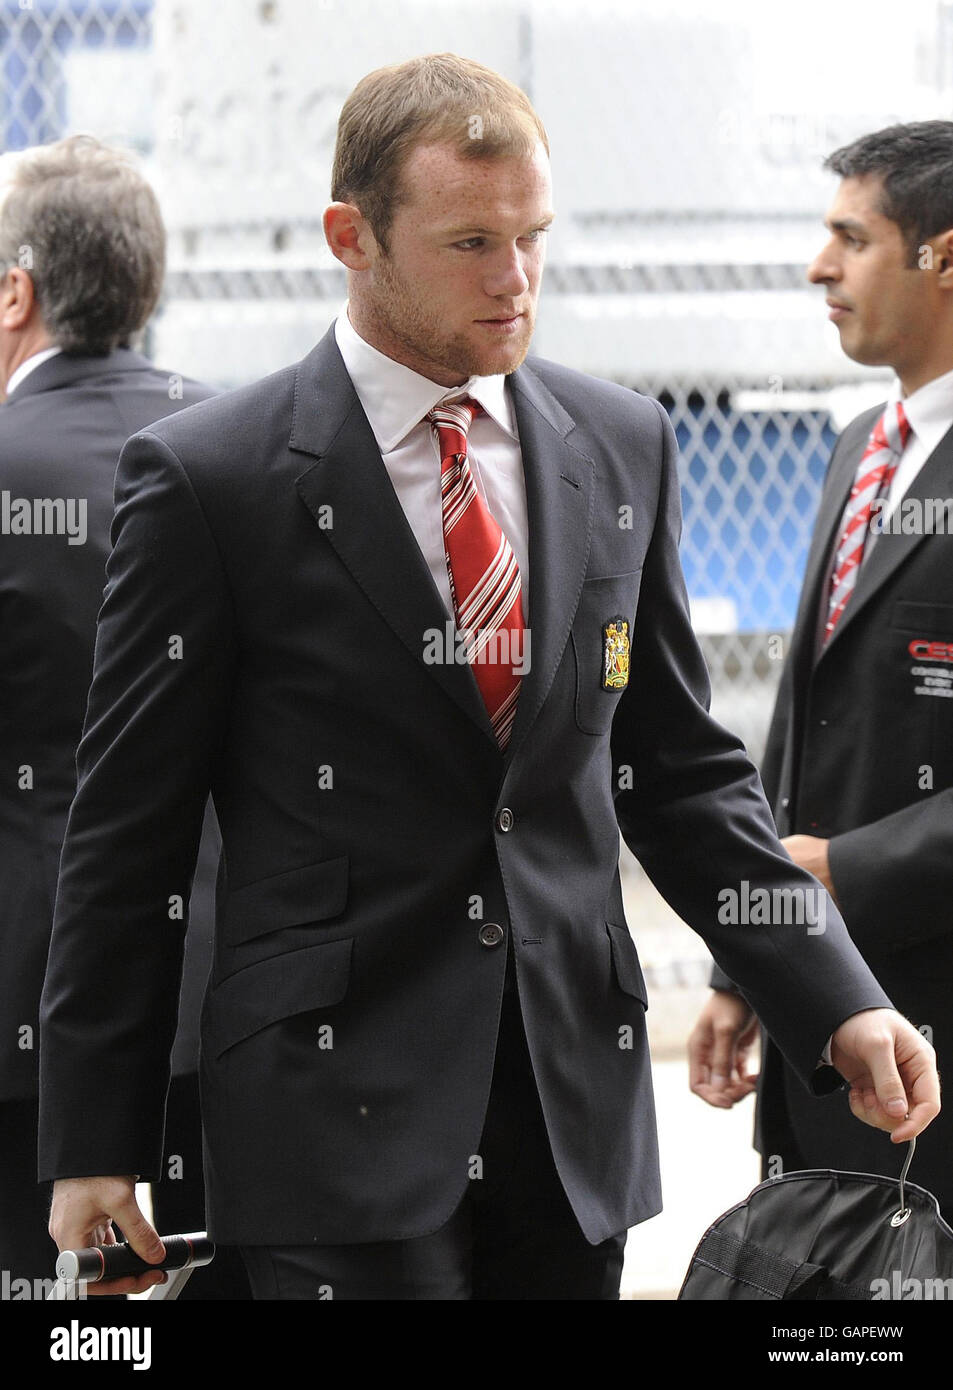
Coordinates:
[396,400]
[31,363]
[930,413]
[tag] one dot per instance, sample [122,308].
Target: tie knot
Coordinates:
[903,425]
[895,428]
[451,421]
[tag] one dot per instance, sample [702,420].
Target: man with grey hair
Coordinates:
[82,258]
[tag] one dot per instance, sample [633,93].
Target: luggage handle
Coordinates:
[899,1217]
[183,1254]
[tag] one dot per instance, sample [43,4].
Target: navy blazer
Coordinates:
[372,828]
[860,751]
[61,433]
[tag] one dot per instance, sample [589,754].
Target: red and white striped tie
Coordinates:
[874,475]
[484,575]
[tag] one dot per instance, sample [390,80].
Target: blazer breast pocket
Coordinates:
[935,619]
[295,898]
[601,642]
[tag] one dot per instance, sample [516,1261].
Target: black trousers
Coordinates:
[513,1237]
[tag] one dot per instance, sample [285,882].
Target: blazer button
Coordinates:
[491,934]
[505,820]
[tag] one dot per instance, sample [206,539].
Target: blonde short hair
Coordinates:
[436,98]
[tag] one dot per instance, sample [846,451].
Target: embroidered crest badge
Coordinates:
[615,654]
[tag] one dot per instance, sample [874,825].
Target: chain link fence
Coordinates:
[687,147]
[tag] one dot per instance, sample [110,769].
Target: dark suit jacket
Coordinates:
[61,433]
[351,1020]
[861,753]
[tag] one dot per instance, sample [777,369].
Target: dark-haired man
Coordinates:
[859,763]
[82,255]
[425,1072]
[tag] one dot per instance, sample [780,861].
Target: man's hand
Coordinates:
[811,853]
[718,1050]
[82,1214]
[892,1072]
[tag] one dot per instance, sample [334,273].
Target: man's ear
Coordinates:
[349,236]
[937,255]
[17,299]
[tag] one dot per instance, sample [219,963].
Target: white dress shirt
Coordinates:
[395,401]
[930,413]
[31,363]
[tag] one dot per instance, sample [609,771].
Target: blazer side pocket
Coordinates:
[274,989]
[312,893]
[625,959]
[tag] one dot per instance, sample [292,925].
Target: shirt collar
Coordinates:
[929,409]
[396,399]
[25,368]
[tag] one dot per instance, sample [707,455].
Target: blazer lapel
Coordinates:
[889,551]
[366,524]
[827,526]
[804,655]
[559,500]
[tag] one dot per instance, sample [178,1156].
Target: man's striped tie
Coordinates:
[874,475]
[484,575]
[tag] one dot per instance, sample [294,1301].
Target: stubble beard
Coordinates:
[418,339]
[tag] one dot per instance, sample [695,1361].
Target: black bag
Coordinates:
[825,1235]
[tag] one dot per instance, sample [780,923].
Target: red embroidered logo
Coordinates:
[931,651]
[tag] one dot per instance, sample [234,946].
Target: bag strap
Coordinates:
[772,1274]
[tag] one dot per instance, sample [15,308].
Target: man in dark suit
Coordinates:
[859,762]
[424,1062]
[82,248]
